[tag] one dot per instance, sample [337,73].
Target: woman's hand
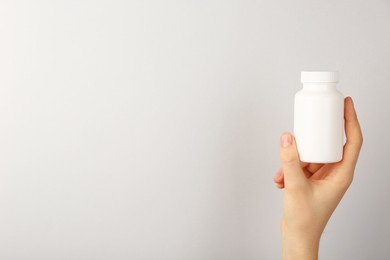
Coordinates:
[313,191]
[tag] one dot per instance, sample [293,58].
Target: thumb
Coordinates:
[293,173]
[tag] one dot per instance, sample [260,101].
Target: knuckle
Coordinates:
[288,158]
[346,182]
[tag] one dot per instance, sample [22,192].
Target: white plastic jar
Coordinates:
[319,118]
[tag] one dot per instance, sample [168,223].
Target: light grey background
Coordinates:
[149,129]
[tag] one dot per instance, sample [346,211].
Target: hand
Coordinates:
[313,191]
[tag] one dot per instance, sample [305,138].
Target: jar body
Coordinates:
[319,123]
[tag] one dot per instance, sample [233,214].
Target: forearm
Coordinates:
[300,246]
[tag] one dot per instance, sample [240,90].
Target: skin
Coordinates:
[313,191]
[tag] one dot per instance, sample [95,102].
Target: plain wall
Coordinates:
[150,129]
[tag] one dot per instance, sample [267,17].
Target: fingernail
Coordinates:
[286,140]
[351,101]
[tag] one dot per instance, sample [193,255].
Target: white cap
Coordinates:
[319,76]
